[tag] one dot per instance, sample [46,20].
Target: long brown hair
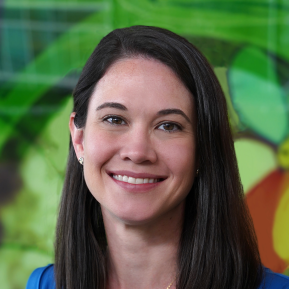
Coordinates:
[218,246]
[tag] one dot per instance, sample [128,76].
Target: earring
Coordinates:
[197,172]
[81,159]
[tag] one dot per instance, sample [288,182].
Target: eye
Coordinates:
[114,120]
[170,127]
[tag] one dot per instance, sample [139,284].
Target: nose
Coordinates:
[138,147]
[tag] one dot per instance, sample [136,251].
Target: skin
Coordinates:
[141,123]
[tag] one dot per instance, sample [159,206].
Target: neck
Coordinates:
[143,256]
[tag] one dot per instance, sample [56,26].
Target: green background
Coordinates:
[43,46]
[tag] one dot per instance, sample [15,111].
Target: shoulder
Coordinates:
[42,278]
[273,280]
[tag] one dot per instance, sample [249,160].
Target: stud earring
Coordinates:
[81,159]
[197,172]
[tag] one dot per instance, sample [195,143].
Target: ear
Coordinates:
[76,137]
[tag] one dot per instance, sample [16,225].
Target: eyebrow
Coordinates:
[161,112]
[113,105]
[173,111]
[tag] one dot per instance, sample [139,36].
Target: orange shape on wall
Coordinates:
[263,200]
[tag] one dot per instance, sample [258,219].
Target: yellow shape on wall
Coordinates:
[281,226]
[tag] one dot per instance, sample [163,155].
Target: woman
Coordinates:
[152,196]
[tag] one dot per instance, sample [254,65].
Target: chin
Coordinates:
[134,216]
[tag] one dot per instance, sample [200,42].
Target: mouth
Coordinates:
[135,180]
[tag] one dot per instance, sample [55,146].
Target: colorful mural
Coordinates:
[44,44]
[259,93]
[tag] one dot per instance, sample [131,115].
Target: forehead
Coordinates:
[142,80]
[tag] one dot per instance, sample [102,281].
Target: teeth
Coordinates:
[132,180]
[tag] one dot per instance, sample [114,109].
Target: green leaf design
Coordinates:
[49,68]
[257,95]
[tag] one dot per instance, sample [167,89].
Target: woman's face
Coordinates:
[138,144]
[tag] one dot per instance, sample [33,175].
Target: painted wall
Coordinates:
[44,44]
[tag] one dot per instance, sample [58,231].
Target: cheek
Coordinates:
[99,148]
[182,165]
[180,158]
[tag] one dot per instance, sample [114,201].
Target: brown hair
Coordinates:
[218,246]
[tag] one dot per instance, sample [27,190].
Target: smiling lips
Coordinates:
[137,181]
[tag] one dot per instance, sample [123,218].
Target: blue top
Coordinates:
[43,278]
[274,280]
